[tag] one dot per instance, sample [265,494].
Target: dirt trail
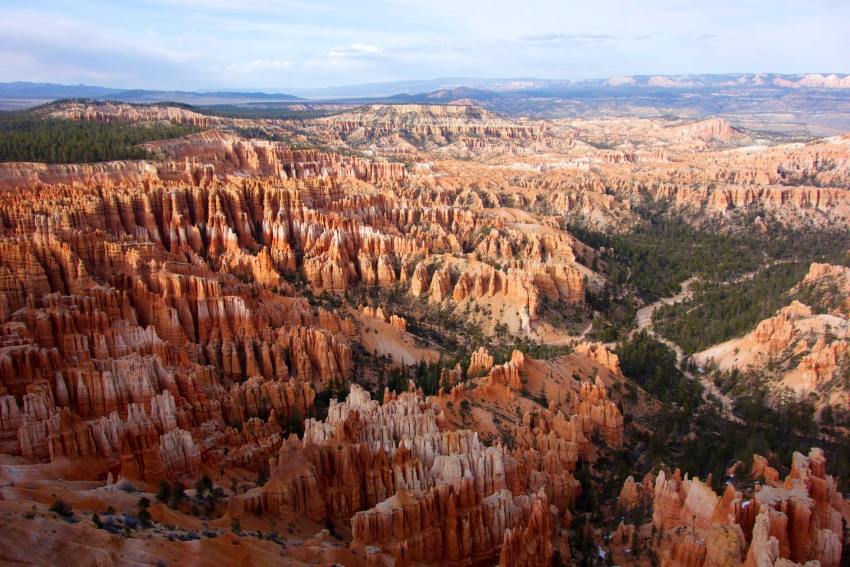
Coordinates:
[644,314]
[644,322]
[572,338]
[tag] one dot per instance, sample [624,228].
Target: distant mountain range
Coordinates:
[23,94]
[418,87]
[528,84]
[25,90]
[433,90]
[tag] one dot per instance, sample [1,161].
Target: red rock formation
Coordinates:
[445,525]
[822,363]
[797,521]
[380,463]
[420,280]
[440,286]
[480,363]
[116,112]
[800,349]
[635,495]
[598,353]
[761,469]
[597,412]
[257,397]
[687,553]
[508,374]
[175,317]
[778,331]
[179,455]
[451,380]
[532,545]
[440,124]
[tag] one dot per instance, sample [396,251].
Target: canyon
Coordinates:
[363,339]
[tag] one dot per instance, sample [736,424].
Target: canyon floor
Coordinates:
[423,334]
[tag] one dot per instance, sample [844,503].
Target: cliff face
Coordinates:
[148,316]
[427,124]
[417,487]
[711,128]
[117,112]
[275,228]
[705,169]
[593,169]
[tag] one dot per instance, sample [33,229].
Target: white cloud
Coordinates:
[356,51]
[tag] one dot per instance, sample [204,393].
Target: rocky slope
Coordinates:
[803,347]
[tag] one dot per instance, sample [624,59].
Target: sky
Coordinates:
[281,45]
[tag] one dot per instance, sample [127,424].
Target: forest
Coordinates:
[28,136]
[720,311]
[663,250]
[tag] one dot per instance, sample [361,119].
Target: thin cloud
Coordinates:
[247,6]
[209,44]
[267,64]
[565,38]
[66,49]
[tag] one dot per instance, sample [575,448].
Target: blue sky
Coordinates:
[276,45]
